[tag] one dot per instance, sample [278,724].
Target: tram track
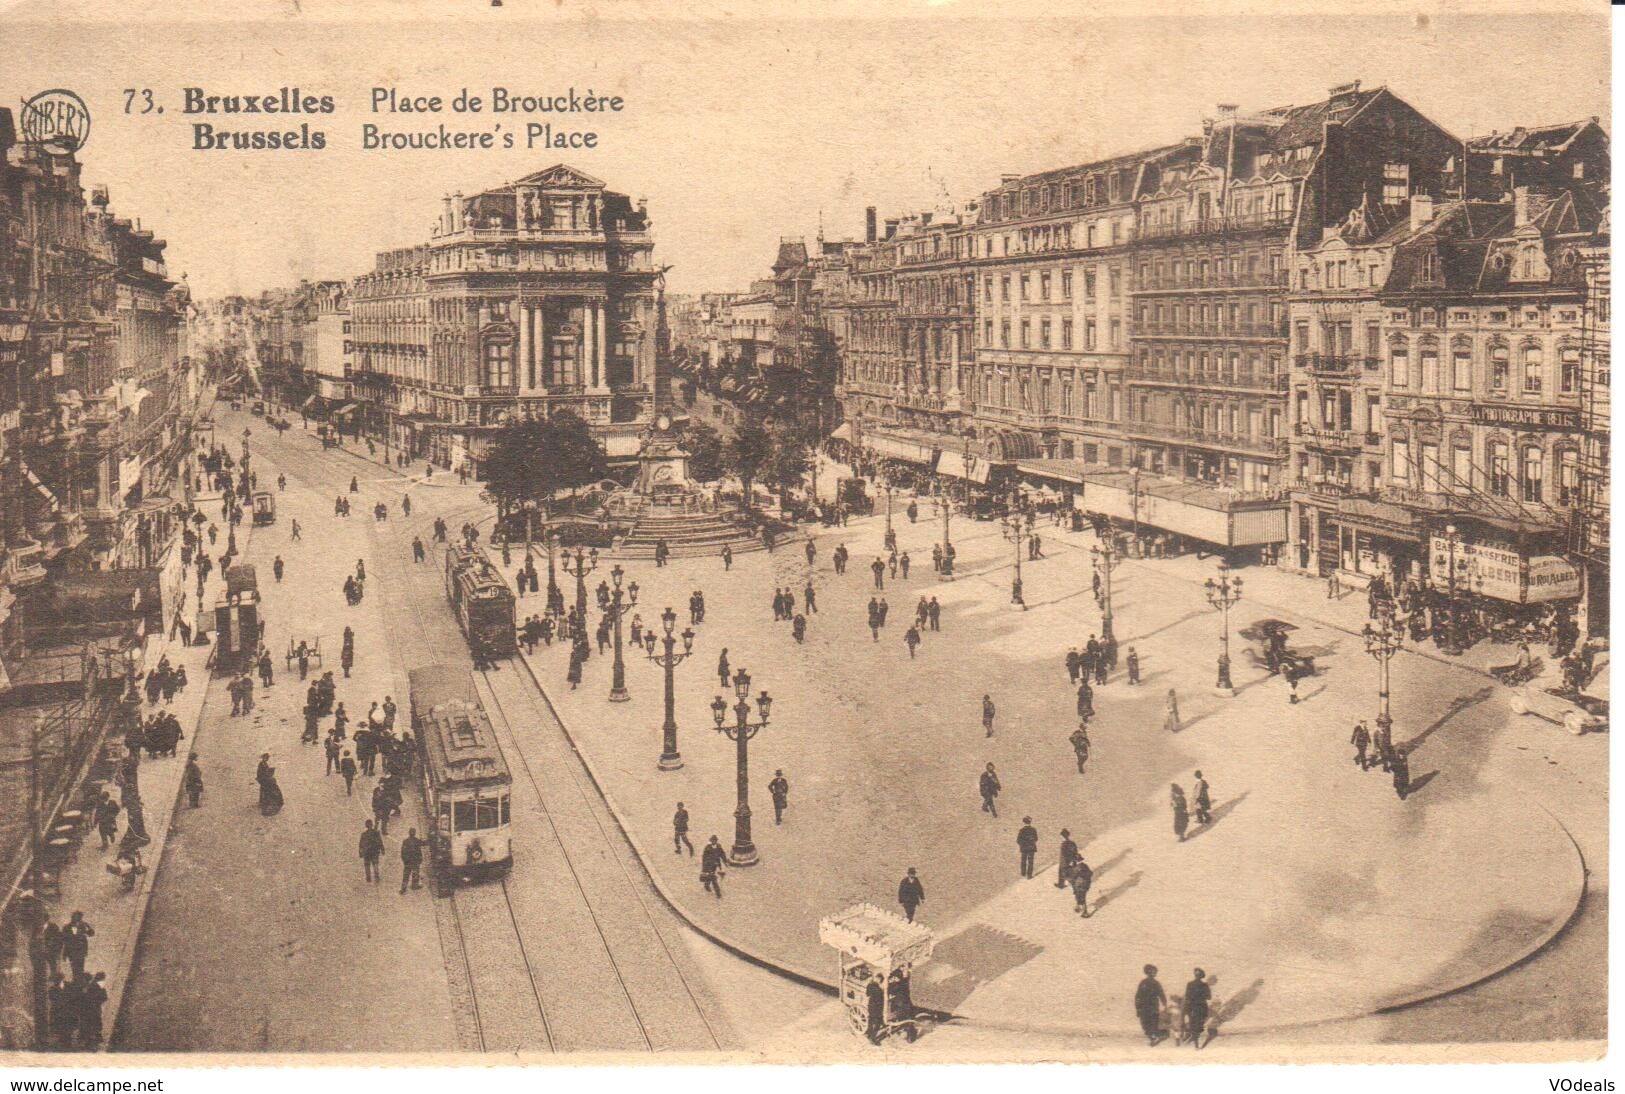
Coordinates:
[570,952]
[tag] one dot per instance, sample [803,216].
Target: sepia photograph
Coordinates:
[456,459]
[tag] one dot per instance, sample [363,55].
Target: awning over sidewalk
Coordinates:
[1056,470]
[898,448]
[1379,518]
[843,432]
[1208,513]
[954,465]
[346,409]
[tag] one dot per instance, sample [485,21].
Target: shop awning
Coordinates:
[312,403]
[347,408]
[897,448]
[843,432]
[954,465]
[1057,470]
[1208,513]
[1379,518]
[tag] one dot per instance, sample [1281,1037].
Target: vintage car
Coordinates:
[1269,648]
[1579,712]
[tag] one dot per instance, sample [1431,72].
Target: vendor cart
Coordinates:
[878,951]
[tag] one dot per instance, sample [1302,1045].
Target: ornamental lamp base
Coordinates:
[743,856]
[619,695]
[670,761]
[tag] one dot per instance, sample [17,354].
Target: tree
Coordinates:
[747,454]
[705,452]
[517,468]
[789,462]
[576,458]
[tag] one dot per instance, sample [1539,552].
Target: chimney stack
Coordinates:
[891,227]
[1421,210]
[869,224]
[1520,206]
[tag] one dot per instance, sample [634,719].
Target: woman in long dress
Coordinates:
[1182,817]
[270,792]
[1171,723]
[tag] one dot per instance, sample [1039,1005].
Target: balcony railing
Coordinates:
[1261,279]
[1217,225]
[1341,439]
[1250,381]
[1269,446]
[1180,329]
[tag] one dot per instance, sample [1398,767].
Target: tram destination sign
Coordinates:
[1538,417]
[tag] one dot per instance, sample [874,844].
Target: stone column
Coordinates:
[522,367]
[538,346]
[583,374]
[953,369]
[601,366]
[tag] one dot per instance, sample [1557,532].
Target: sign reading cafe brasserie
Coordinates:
[1502,573]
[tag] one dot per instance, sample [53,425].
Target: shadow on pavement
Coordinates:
[978,954]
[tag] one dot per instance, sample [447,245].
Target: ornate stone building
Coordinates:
[530,298]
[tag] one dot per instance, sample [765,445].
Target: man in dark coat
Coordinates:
[371,849]
[679,831]
[411,860]
[1198,995]
[779,790]
[76,943]
[1360,739]
[192,780]
[1027,841]
[1149,1002]
[1069,855]
[1081,877]
[910,893]
[711,863]
[1401,768]
[1080,746]
[990,788]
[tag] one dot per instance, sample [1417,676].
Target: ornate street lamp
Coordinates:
[743,852]
[670,758]
[1016,534]
[1450,645]
[555,596]
[1382,643]
[617,690]
[1222,594]
[584,564]
[1105,562]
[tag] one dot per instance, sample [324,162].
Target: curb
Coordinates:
[733,946]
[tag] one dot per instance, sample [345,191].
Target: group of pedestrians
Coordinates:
[1382,753]
[1201,799]
[1186,1018]
[74,1002]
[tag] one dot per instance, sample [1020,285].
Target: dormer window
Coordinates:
[1579,169]
[1430,267]
[1396,183]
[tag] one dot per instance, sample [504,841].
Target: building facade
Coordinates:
[531,298]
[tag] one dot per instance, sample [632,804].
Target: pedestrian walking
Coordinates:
[1149,1003]
[910,893]
[1401,769]
[1198,996]
[722,669]
[1080,745]
[1086,701]
[990,788]
[192,781]
[987,714]
[372,849]
[411,860]
[711,871]
[779,791]
[812,552]
[1069,855]
[1081,877]
[1170,720]
[1202,798]
[679,831]
[92,994]
[936,615]
[878,568]
[1073,661]
[911,638]
[294,529]
[903,564]
[1360,739]
[1027,843]
[276,568]
[1132,662]
[1182,819]
[727,557]
[76,938]
[810,596]
[107,811]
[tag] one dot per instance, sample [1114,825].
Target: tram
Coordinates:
[481,601]
[466,784]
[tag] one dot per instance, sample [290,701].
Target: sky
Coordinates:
[737,130]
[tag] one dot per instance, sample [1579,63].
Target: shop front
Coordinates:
[1173,517]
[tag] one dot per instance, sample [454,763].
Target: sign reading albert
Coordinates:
[57,116]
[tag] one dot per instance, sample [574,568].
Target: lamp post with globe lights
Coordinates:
[1106,560]
[583,564]
[1382,642]
[1222,594]
[617,688]
[743,852]
[670,758]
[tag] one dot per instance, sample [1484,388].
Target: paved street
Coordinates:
[576,952]
[882,753]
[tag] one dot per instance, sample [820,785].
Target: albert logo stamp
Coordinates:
[57,115]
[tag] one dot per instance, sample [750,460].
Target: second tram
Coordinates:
[482,603]
[466,784]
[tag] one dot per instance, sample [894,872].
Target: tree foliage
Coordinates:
[747,453]
[531,461]
[705,452]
